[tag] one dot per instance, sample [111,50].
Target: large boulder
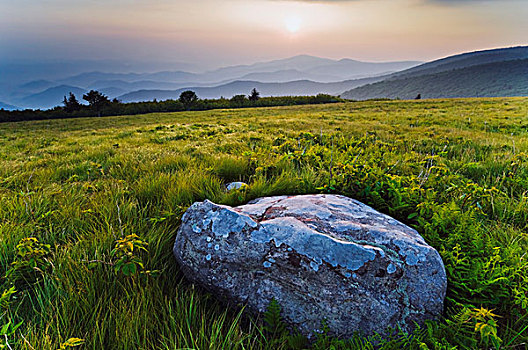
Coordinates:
[322,257]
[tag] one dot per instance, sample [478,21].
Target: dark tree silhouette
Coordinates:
[96,100]
[116,107]
[255,95]
[188,98]
[71,104]
[239,99]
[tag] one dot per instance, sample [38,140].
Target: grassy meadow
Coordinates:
[103,198]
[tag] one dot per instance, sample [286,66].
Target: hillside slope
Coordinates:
[86,187]
[7,107]
[326,70]
[158,84]
[506,78]
[352,69]
[467,59]
[292,88]
[50,97]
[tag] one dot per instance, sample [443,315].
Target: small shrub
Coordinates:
[126,251]
[31,261]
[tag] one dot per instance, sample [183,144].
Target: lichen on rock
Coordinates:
[322,257]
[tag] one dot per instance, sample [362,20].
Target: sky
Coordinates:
[212,33]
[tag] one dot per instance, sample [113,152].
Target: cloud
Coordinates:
[425,1]
[323,1]
[471,2]
[458,2]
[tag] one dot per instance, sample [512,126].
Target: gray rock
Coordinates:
[235,185]
[322,257]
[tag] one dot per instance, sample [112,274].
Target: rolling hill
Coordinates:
[299,88]
[489,73]
[352,69]
[498,72]
[7,106]
[51,97]
[466,60]
[505,78]
[80,177]
[285,75]
[36,85]
[136,85]
[326,70]
[296,71]
[89,78]
[302,67]
[112,92]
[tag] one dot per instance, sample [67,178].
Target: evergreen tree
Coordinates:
[238,100]
[71,104]
[96,100]
[255,95]
[188,98]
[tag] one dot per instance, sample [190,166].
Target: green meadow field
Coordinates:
[89,209]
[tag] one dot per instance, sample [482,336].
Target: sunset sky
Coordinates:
[220,32]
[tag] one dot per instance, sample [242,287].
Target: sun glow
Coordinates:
[293,24]
[298,20]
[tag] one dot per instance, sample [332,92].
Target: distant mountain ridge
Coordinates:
[324,76]
[285,75]
[299,68]
[37,85]
[51,97]
[328,70]
[85,79]
[497,72]
[306,67]
[466,60]
[489,73]
[360,68]
[291,88]
[7,107]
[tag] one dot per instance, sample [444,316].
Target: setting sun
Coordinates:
[293,24]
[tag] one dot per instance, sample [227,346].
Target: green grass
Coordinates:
[457,170]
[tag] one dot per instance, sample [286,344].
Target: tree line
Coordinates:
[99,105]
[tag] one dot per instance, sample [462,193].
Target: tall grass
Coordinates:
[454,169]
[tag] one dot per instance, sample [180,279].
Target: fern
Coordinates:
[274,325]
[297,341]
[277,330]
